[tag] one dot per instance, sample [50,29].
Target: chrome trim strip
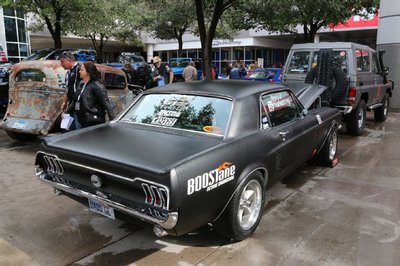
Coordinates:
[170,223]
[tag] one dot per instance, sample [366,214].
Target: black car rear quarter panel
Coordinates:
[207,182]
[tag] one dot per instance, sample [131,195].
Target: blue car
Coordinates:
[178,64]
[265,74]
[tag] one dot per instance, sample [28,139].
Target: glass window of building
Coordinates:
[16,35]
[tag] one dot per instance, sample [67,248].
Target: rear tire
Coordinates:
[355,121]
[328,151]
[21,136]
[380,113]
[244,212]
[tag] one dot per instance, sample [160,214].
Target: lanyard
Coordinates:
[83,88]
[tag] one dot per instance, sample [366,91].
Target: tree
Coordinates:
[102,20]
[56,14]
[312,15]
[169,19]
[209,13]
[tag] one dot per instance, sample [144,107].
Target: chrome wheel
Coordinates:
[333,145]
[360,118]
[385,106]
[249,205]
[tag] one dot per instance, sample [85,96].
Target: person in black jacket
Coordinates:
[72,80]
[91,103]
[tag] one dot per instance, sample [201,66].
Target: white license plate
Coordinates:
[101,208]
[20,124]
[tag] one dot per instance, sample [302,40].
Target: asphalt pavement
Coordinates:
[346,215]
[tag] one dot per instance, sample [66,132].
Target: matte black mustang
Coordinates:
[191,154]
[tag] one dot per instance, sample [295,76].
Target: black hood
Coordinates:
[152,149]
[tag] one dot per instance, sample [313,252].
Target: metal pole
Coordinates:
[389,40]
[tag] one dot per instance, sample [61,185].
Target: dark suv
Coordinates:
[354,74]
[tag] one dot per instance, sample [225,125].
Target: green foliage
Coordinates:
[286,15]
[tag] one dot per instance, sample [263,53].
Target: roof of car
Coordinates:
[229,88]
[333,45]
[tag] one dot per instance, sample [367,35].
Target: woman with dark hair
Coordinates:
[91,102]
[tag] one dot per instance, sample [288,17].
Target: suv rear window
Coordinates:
[299,62]
[339,59]
[190,112]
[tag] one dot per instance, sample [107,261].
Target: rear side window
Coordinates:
[114,81]
[278,108]
[30,75]
[299,62]
[363,62]
[375,64]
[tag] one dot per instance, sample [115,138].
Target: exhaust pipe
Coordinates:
[159,232]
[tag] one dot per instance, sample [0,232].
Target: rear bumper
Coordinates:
[27,126]
[168,222]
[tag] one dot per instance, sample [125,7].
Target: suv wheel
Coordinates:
[380,113]
[355,121]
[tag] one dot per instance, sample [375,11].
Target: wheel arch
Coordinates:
[242,178]
[334,125]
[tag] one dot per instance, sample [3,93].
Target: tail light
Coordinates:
[155,196]
[351,97]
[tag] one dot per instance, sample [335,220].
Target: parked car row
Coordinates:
[187,155]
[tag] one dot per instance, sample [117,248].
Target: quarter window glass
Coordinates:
[281,108]
[114,81]
[363,63]
[299,63]
[30,75]
[375,64]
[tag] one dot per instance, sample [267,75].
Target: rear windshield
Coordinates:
[196,113]
[30,75]
[267,74]
[179,62]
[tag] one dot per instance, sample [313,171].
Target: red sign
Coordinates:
[357,22]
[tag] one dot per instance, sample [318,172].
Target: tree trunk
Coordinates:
[180,46]
[207,58]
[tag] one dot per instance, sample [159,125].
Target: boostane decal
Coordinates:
[212,179]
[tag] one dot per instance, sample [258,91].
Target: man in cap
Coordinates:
[190,72]
[72,79]
[162,73]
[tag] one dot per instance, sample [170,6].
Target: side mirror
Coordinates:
[304,112]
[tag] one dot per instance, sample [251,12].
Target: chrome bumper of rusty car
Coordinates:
[168,223]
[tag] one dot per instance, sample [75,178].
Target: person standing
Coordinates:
[162,73]
[72,80]
[91,103]
[190,72]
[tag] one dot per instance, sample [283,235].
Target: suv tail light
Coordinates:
[351,97]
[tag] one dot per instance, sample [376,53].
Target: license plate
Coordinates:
[20,124]
[101,208]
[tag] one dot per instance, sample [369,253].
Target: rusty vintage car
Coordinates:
[36,91]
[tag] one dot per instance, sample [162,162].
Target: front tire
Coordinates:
[355,121]
[380,113]
[244,212]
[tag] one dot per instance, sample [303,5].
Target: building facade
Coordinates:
[14,37]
